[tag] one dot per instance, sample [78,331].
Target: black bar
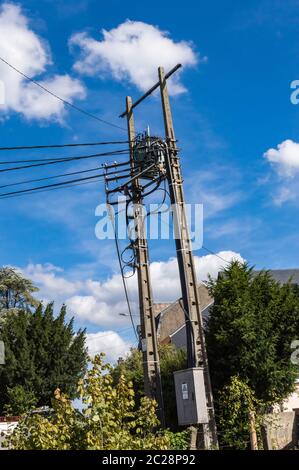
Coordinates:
[150,91]
[148,459]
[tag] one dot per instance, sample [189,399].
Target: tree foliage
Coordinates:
[42,352]
[249,332]
[237,400]
[171,360]
[131,367]
[109,419]
[20,401]
[15,290]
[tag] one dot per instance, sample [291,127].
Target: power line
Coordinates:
[203,247]
[64,159]
[110,333]
[68,103]
[49,159]
[87,144]
[123,277]
[59,176]
[65,186]
[215,254]
[36,180]
[12,193]
[125,286]
[57,185]
[170,226]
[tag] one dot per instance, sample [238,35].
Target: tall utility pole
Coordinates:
[144,160]
[196,349]
[151,363]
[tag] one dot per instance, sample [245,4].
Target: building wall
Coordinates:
[280,431]
[172,317]
[292,402]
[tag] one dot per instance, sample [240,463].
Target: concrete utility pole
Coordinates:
[253,435]
[196,349]
[155,159]
[151,364]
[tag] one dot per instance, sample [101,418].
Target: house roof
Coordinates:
[284,275]
[170,317]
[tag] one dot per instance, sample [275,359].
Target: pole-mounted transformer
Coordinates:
[149,151]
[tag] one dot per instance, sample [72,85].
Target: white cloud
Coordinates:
[132,51]
[108,342]
[286,194]
[213,264]
[165,274]
[213,190]
[25,50]
[52,284]
[285,158]
[285,161]
[99,303]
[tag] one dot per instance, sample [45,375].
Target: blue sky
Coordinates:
[241,58]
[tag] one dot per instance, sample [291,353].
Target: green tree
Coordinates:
[20,401]
[249,333]
[237,400]
[15,290]
[171,359]
[42,352]
[109,420]
[250,330]
[131,367]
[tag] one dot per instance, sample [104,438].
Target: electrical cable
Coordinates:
[157,211]
[103,175]
[66,186]
[23,191]
[63,160]
[59,176]
[131,263]
[36,180]
[122,275]
[215,254]
[110,333]
[154,189]
[68,103]
[130,260]
[48,159]
[87,144]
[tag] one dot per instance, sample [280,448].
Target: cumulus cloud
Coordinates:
[285,158]
[132,51]
[51,281]
[24,49]
[100,302]
[109,342]
[285,161]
